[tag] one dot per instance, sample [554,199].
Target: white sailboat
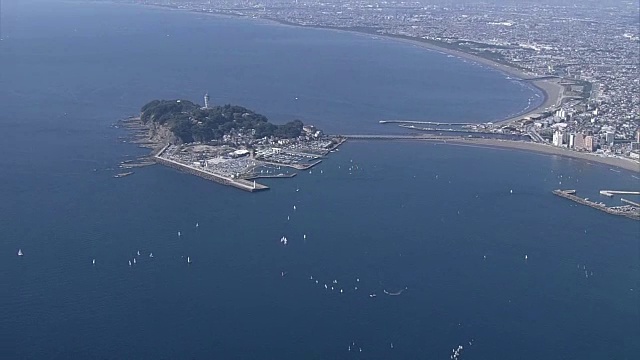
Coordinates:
[188,260]
[150,255]
[138,252]
[197,225]
[134,260]
[179,234]
[94,261]
[129,262]
[20,252]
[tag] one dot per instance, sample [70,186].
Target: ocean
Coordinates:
[436,224]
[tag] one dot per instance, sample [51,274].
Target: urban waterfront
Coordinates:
[450,224]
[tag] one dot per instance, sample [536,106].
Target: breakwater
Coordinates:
[629,211]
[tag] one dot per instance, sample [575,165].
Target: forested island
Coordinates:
[190,122]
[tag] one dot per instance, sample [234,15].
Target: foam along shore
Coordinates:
[627,164]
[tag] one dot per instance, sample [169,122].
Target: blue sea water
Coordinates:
[407,215]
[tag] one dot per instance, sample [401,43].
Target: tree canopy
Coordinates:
[190,122]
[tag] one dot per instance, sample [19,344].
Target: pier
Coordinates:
[278,176]
[630,211]
[610,193]
[633,203]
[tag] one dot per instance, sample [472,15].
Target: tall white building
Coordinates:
[609,137]
[558,137]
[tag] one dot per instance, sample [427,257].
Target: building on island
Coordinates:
[206,100]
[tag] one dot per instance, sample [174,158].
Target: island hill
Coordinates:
[228,144]
[189,122]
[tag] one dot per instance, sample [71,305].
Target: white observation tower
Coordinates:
[206,100]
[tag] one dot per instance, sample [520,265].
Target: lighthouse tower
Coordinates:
[206,100]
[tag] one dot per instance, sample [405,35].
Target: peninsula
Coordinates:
[228,144]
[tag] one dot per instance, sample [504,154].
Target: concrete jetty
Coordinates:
[278,176]
[610,193]
[630,202]
[630,211]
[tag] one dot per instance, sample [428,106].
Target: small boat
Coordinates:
[138,252]
[20,252]
[304,236]
[197,225]
[294,207]
[179,234]
[129,262]
[94,261]
[526,257]
[134,260]
[150,255]
[287,217]
[372,295]
[188,260]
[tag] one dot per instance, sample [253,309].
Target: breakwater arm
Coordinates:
[629,211]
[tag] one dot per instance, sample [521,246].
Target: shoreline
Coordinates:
[544,149]
[550,88]
[531,147]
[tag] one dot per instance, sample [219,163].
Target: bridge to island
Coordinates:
[397,137]
[436,123]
